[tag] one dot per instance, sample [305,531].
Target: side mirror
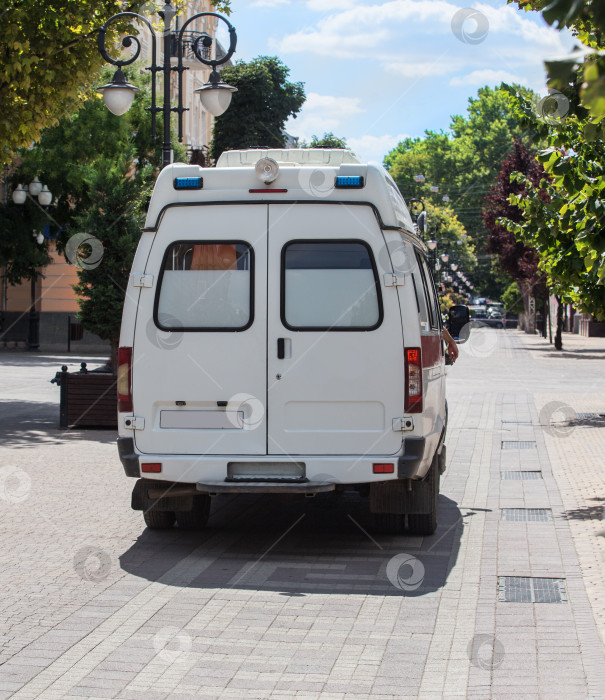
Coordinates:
[458,323]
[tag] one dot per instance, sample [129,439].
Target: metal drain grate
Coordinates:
[527,515]
[518,444]
[520,476]
[524,589]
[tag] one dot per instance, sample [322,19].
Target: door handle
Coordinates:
[284,348]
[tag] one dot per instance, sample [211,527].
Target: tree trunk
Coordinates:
[558,334]
[545,310]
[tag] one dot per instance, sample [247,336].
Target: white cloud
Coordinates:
[374,148]
[321,114]
[487,76]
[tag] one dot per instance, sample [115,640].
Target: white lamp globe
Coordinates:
[45,197]
[35,187]
[216,97]
[432,244]
[119,94]
[19,195]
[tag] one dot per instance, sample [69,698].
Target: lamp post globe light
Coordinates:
[119,94]
[44,196]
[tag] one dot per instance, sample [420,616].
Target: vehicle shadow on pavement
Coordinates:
[31,423]
[298,547]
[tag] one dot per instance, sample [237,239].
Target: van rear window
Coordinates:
[206,285]
[329,285]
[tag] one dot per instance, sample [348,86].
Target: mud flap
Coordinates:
[394,496]
[142,501]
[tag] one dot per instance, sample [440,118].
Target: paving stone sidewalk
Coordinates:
[282,599]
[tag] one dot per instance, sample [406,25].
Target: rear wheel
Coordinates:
[197,517]
[426,523]
[389,523]
[159,519]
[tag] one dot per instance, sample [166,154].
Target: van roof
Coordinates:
[304,176]
[290,156]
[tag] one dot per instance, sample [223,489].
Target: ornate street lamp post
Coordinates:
[119,94]
[44,196]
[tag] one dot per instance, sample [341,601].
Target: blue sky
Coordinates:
[375,72]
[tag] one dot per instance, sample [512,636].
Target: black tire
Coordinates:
[426,523]
[159,519]
[197,518]
[389,523]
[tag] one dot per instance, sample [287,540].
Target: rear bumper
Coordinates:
[221,487]
[210,471]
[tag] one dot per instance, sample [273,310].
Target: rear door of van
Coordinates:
[335,344]
[199,373]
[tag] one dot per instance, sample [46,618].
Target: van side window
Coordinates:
[329,285]
[433,297]
[205,285]
[433,317]
[421,303]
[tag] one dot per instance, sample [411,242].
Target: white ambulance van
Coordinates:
[281,334]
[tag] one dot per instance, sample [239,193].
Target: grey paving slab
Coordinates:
[214,615]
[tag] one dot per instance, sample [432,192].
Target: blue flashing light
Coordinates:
[350,181]
[188,183]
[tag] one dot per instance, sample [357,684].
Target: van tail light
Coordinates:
[413,380]
[125,380]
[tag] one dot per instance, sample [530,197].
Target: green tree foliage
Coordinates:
[20,254]
[65,152]
[50,60]
[567,227]
[328,140]
[519,260]
[113,218]
[586,20]
[463,164]
[76,167]
[512,299]
[451,236]
[259,109]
